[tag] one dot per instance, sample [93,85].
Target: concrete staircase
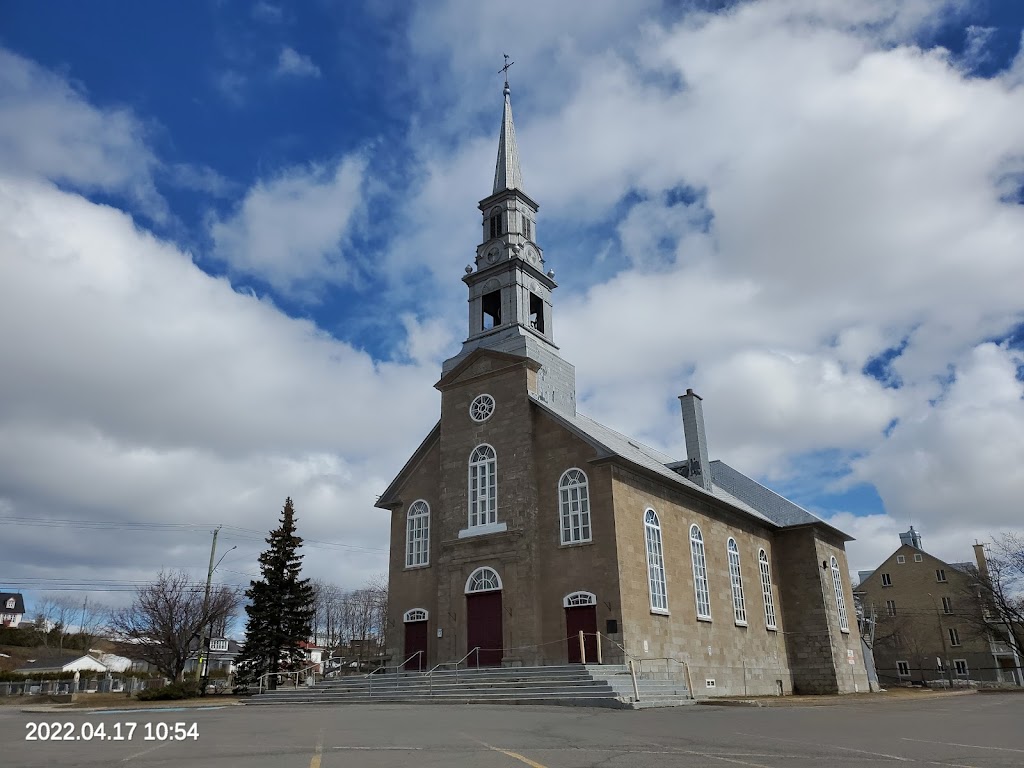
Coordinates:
[573,685]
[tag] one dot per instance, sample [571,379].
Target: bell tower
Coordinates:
[509,288]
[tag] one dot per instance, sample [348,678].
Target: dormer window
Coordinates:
[11,603]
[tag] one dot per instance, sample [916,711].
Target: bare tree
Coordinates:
[163,624]
[998,586]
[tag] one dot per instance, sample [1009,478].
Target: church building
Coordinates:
[519,523]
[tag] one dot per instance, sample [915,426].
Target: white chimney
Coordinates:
[696,440]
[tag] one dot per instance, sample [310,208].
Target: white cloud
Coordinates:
[292,63]
[48,129]
[290,230]
[138,388]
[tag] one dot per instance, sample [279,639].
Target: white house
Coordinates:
[12,608]
[67,662]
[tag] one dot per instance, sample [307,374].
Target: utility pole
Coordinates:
[206,607]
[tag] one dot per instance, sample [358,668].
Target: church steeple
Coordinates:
[509,287]
[507,174]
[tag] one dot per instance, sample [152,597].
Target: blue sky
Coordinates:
[234,233]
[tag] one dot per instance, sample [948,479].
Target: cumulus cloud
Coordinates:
[290,230]
[294,64]
[49,129]
[138,388]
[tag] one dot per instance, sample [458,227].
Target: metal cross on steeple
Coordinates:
[505,68]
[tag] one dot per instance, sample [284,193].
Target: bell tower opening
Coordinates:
[536,313]
[490,303]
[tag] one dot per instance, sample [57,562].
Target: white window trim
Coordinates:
[480,398]
[653,531]
[411,552]
[967,669]
[489,525]
[415,614]
[565,509]
[699,563]
[886,580]
[590,597]
[766,590]
[901,559]
[954,637]
[900,672]
[837,583]
[918,558]
[739,603]
[497,577]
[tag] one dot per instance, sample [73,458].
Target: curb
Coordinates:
[830,701]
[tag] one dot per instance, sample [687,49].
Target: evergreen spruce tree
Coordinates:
[280,609]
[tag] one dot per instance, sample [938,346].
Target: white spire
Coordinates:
[506,171]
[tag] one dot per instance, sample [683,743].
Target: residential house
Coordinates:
[12,608]
[48,662]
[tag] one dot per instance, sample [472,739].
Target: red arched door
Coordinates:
[581,619]
[415,640]
[483,628]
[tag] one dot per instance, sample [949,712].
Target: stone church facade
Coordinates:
[519,523]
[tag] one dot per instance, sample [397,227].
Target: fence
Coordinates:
[65,686]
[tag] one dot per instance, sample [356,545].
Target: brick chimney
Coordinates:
[696,440]
[979,555]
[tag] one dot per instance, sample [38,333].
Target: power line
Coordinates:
[104,525]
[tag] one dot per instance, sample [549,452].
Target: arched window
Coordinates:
[417,534]
[574,502]
[11,603]
[483,486]
[495,221]
[415,614]
[766,590]
[483,580]
[739,606]
[655,563]
[577,599]
[837,583]
[700,574]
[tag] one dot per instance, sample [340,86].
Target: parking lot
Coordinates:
[975,730]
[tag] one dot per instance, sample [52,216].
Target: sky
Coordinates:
[232,236]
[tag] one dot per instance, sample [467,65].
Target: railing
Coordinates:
[267,675]
[397,667]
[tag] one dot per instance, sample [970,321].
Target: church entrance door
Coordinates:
[416,640]
[483,628]
[581,619]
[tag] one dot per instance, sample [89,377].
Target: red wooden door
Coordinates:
[483,628]
[416,640]
[581,619]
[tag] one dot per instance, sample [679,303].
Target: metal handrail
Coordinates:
[267,675]
[394,666]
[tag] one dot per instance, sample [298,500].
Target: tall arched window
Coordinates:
[700,574]
[495,222]
[574,503]
[417,534]
[766,590]
[837,583]
[483,486]
[739,606]
[655,563]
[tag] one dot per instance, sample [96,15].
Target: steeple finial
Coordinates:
[507,174]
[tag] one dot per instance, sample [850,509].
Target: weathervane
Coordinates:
[505,68]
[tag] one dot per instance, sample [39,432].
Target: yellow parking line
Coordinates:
[318,752]
[516,755]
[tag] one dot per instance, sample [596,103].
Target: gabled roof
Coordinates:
[387,499]
[55,660]
[610,443]
[19,602]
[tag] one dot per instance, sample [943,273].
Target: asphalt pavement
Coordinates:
[980,731]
